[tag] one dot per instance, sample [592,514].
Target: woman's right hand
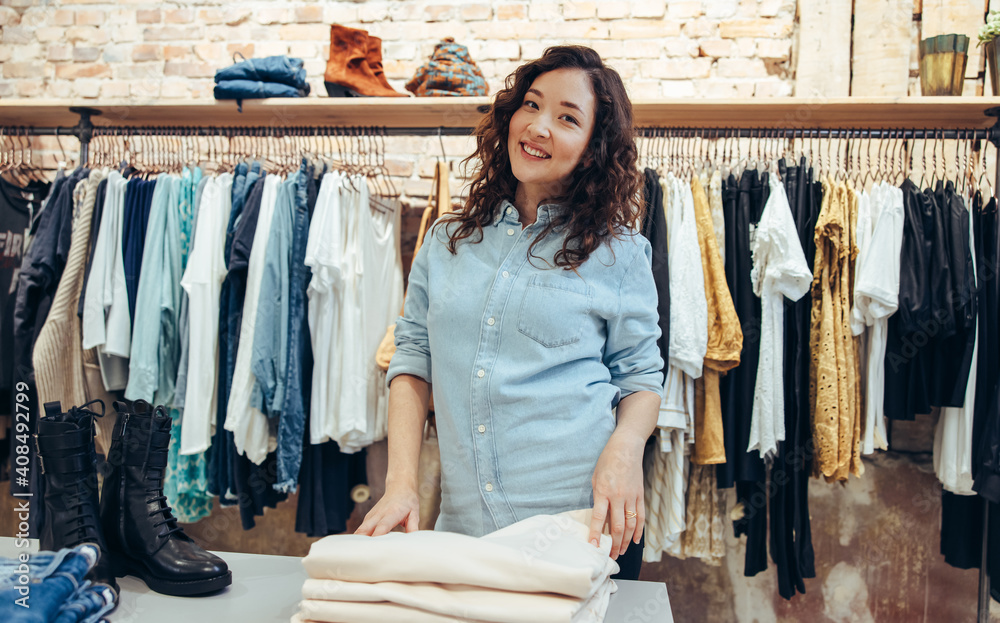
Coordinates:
[397,507]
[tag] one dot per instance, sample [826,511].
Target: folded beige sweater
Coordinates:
[538,570]
[542,554]
[332,600]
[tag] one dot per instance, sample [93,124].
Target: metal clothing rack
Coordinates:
[84,132]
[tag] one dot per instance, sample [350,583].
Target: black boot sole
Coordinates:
[174,588]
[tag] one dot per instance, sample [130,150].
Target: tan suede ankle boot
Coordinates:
[348,73]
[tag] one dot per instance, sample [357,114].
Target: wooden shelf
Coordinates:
[912,112]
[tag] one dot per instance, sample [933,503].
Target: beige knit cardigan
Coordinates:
[63,371]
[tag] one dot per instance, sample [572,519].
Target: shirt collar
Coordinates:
[509,214]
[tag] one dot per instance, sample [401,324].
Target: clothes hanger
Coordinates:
[939,145]
[35,170]
[935,146]
[645,151]
[392,185]
[23,170]
[339,162]
[734,152]
[743,159]
[687,154]
[902,151]
[766,146]
[758,157]
[894,156]
[923,160]
[843,152]
[378,164]
[158,156]
[875,163]
[4,159]
[17,158]
[300,147]
[835,139]
[712,152]
[777,147]
[967,164]
[827,158]
[882,151]
[373,154]
[886,160]
[910,146]
[854,147]
[372,171]
[662,152]
[667,150]
[672,149]
[168,152]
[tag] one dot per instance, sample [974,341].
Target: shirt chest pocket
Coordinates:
[554,311]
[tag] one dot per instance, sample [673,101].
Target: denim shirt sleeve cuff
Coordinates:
[408,363]
[650,382]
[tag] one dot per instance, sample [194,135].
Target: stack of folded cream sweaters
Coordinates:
[539,570]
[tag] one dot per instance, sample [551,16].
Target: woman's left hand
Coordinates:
[618,495]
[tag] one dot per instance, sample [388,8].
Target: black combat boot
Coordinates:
[142,533]
[69,466]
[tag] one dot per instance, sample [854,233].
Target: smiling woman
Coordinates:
[548,137]
[533,313]
[601,181]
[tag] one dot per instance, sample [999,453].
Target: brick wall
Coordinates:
[140,51]
[87,50]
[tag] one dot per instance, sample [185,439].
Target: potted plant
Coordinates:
[989,38]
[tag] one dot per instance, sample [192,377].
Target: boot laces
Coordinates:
[85,530]
[154,476]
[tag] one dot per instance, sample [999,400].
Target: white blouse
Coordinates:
[779,270]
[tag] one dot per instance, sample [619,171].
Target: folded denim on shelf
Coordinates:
[251,89]
[55,589]
[283,69]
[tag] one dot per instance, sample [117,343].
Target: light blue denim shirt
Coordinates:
[270,341]
[527,362]
[155,344]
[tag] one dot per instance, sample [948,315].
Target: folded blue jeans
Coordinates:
[50,587]
[254,89]
[284,69]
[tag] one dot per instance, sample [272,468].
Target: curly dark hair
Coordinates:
[604,186]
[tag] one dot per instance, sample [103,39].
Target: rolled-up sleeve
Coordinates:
[631,353]
[413,352]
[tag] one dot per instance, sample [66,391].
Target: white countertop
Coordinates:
[267,589]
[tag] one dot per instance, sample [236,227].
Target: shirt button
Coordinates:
[481,373]
[505,274]
[489,487]
[482,428]
[510,210]
[491,321]
[510,232]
